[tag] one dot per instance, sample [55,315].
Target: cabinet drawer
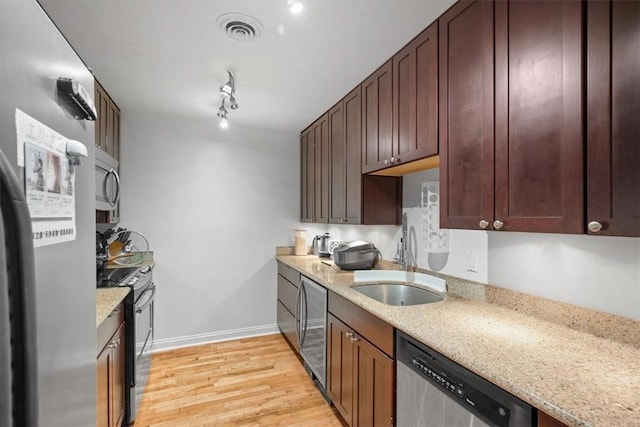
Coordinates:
[365,324]
[288,325]
[110,326]
[291,274]
[287,294]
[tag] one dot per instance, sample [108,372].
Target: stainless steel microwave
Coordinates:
[107,182]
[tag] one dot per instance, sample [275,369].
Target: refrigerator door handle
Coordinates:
[19,270]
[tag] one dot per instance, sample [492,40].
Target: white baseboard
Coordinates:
[211,337]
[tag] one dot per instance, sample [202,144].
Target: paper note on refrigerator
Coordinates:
[49,181]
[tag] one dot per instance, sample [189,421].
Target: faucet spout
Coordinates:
[402,253]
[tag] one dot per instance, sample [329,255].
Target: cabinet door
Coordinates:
[338,163]
[345,136]
[415,98]
[377,119]
[321,176]
[374,390]
[353,156]
[613,111]
[538,116]
[115,132]
[306,177]
[102,106]
[103,387]
[466,115]
[118,384]
[340,367]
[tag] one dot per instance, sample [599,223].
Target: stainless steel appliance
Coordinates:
[47,301]
[433,391]
[139,328]
[355,255]
[321,245]
[107,181]
[311,311]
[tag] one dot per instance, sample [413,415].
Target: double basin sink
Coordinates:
[399,288]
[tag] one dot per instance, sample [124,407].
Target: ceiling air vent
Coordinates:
[240,27]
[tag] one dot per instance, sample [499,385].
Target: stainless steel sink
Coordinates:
[397,293]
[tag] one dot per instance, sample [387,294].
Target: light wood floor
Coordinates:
[247,382]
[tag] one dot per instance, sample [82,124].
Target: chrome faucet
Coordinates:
[403,255]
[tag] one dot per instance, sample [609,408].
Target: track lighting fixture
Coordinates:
[227,91]
[222,113]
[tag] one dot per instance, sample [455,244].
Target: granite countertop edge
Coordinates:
[108,299]
[552,367]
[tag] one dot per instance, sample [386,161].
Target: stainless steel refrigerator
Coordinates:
[47,294]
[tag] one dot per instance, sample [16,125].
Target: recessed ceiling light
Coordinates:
[295,6]
[240,27]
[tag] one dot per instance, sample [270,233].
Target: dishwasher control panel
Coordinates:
[476,401]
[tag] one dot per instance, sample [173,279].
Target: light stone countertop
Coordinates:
[106,300]
[576,377]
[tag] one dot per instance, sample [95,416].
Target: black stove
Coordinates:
[137,278]
[114,277]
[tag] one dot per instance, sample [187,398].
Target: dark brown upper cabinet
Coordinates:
[345,136]
[527,173]
[320,130]
[466,115]
[307,177]
[107,129]
[377,119]
[314,172]
[613,118]
[357,198]
[415,98]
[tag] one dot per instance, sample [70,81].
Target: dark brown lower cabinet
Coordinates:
[110,384]
[288,280]
[360,376]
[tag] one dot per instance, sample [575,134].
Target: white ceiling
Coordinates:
[169,56]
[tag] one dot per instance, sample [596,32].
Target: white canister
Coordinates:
[300,242]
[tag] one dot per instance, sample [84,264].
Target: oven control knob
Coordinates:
[145,269]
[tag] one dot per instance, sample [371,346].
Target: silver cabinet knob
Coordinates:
[483,223]
[354,338]
[497,224]
[594,226]
[386,162]
[349,335]
[393,160]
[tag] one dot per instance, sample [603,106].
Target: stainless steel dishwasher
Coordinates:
[433,391]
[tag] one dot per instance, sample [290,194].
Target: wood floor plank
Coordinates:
[246,382]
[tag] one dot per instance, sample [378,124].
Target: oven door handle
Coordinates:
[151,289]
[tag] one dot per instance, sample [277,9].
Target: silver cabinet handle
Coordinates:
[386,161]
[355,338]
[349,335]
[393,160]
[594,226]
[483,223]
[497,224]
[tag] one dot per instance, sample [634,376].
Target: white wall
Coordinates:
[596,272]
[213,204]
